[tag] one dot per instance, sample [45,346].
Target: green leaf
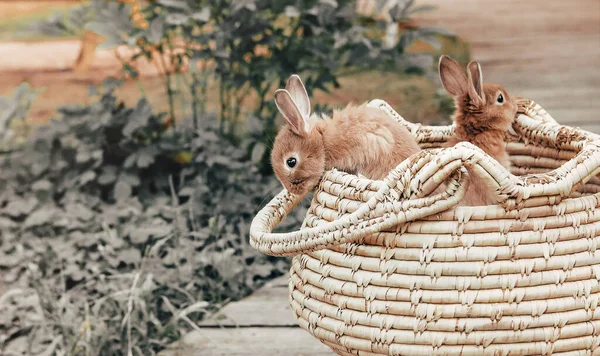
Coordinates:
[138,118]
[253,126]
[87,177]
[258,152]
[108,30]
[111,83]
[20,207]
[175,4]
[147,156]
[130,161]
[380,4]
[291,11]
[406,7]
[5,103]
[108,175]
[82,156]
[421,8]
[43,185]
[243,4]
[203,15]
[176,19]
[395,12]
[435,30]
[340,40]
[142,234]
[186,192]
[155,30]
[431,40]
[332,3]
[21,91]
[122,191]
[406,39]
[40,217]
[130,179]
[92,90]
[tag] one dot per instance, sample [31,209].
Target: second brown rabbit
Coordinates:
[484,113]
[357,139]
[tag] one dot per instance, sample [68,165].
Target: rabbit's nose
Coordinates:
[297,181]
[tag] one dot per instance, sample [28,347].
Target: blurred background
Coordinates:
[135,137]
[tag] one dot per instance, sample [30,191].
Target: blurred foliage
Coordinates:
[13,113]
[251,47]
[119,232]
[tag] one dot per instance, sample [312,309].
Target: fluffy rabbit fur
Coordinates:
[357,139]
[484,113]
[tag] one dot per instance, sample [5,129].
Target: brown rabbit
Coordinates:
[484,113]
[358,139]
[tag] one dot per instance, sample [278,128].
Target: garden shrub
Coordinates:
[119,232]
[13,113]
[251,47]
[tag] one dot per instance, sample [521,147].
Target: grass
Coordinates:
[16,18]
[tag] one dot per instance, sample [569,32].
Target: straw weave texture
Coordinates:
[391,268]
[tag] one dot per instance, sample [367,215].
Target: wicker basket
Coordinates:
[381,268]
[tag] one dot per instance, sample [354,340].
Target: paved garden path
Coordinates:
[262,324]
[548,51]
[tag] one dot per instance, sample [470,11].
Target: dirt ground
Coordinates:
[66,87]
[10,8]
[16,18]
[48,65]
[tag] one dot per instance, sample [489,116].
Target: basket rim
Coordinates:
[532,122]
[409,184]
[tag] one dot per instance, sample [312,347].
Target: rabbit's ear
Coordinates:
[452,76]
[296,88]
[475,82]
[288,108]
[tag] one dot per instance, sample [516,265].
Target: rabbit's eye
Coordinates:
[291,162]
[500,98]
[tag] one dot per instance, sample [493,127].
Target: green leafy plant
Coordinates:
[13,113]
[119,232]
[247,49]
[255,45]
[252,47]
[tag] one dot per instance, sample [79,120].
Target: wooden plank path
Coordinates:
[545,50]
[548,51]
[262,324]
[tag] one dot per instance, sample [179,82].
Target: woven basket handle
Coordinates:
[402,196]
[431,168]
[415,177]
